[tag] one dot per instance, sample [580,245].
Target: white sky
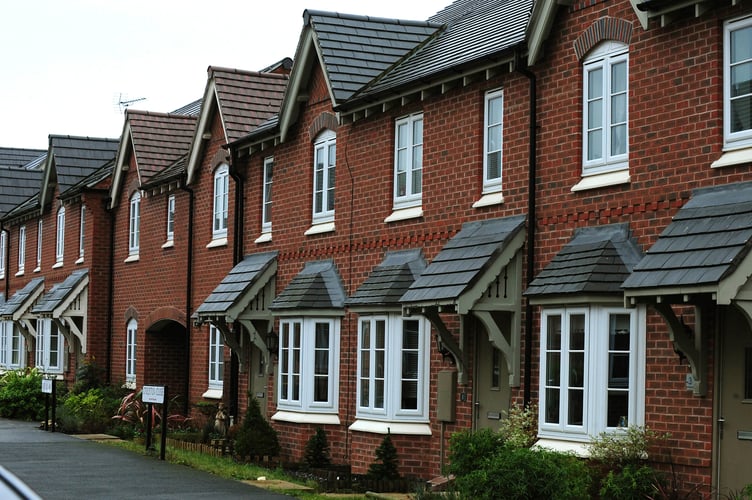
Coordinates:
[65,64]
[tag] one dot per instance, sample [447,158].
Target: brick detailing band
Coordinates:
[325,121]
[605,28]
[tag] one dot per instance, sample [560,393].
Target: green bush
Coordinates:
[385,466]
[21,395]
[468,449]
[88,412]
[317,450]
[256,437]
[633,481]
[619,449]
[520,428]
[523,473]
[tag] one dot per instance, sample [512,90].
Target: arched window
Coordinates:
[60,239]
[221,201]
[134,226]
[130,352]
[324,162]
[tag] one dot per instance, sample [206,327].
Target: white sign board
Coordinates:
[47,386]
[153,394]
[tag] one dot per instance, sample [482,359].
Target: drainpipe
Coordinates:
[188,297]
[531,206]
[6,258]
[111,296]
[237,256]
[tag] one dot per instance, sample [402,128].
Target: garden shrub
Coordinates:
[467,449]
[85,412]
[520,428]
[633,481]
[256,437]
[317,450]
[21,395]
[385,466]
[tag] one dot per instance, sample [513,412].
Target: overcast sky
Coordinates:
[65,64]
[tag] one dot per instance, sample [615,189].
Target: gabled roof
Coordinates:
[16,186]
[24,209]
[317,287]
[464,260]
[156,140]
[92,181]
[237,284]
[597,260]
[19,157]
[71,159]
[708,242]
[389,280]
[244,100]
[22,300]
[190,109]
[59,292]
[171,173]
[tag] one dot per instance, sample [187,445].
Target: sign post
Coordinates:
[155,394]
[48,388]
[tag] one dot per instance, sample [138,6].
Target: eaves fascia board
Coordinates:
[44,195]
[125,142]
[301,69]
[539,27]
[197,146]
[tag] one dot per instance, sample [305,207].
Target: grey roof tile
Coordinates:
[463,259]
[317,286]
[235,285]
[19,157]
[59,292]
[596,260]
[16,186]
[704,243]
[389,280]
[77,157]
[20,299]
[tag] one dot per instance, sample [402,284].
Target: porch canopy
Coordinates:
[243,296]
[478,271]
[18,308]
[701,259]
[316,290]
[383,288]
[66,304]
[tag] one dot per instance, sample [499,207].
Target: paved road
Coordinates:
[58,466]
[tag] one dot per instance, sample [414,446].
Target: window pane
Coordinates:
[618,409]
[553,369]
[619,140]
[409,395]
[494,111]
[553,335]
[552,406]
[741,114]
[595,83]
[379,394]
[619,77]
[493,166]
[741,45]
[576,406]
[595,114]
[410,334]
[577,369]
[402,135]
[595,144]
[365,396]
[618,108]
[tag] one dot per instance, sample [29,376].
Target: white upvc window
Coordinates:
[493,139]
[324,163]
[408,161]
[39,245]
[592,365]
[221,201]
[11,347]
[21,249]
[81,234]
[737,88]
[134,225]
[130,352]
[605,109]
[266,210]
[393,366]
[60,236]
[3,252]
[216,358]
[308,365]
[171,217]
[49,347]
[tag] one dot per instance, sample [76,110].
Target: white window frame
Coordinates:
[21,249]
[50,347]
[216,359]
[595,377]
[493,141]
[324,179]
[131,343]
[134,225]
[408,161]
[266,203]
[60,237]
[81,235]
[302,353]
[3,252]
[741,138]
[389,356]
[12,347]
[603,58]
[221,199]
[171,218]
[39,245]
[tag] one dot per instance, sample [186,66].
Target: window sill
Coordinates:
[489,199]
[19,273]
[391,427]
[37,269]
[735,157]
[217,242]
[579,449]
[132,258]
[405,214]
[79,261]
[168,244]
[57,265]
[602,180]
[264,238]
[213,393]
[319,228]
[306,418]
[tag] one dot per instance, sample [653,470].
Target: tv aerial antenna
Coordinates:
[123,102]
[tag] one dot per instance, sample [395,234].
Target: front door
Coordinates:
[257,380]
[492,392]
[735,412]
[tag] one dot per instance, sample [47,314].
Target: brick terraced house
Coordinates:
[425,222]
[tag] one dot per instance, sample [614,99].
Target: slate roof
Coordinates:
[236,284]
[190,109]
[484,30]
[19,157]
[597,260]
[705,242]
[158,139]
[317,286]
[28,205]
[174,171]
[356,49]
[77,157]
[91,181]
[246,98]
[389,280]
[59,292]
[16,186]
[20,298]
[463,260]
